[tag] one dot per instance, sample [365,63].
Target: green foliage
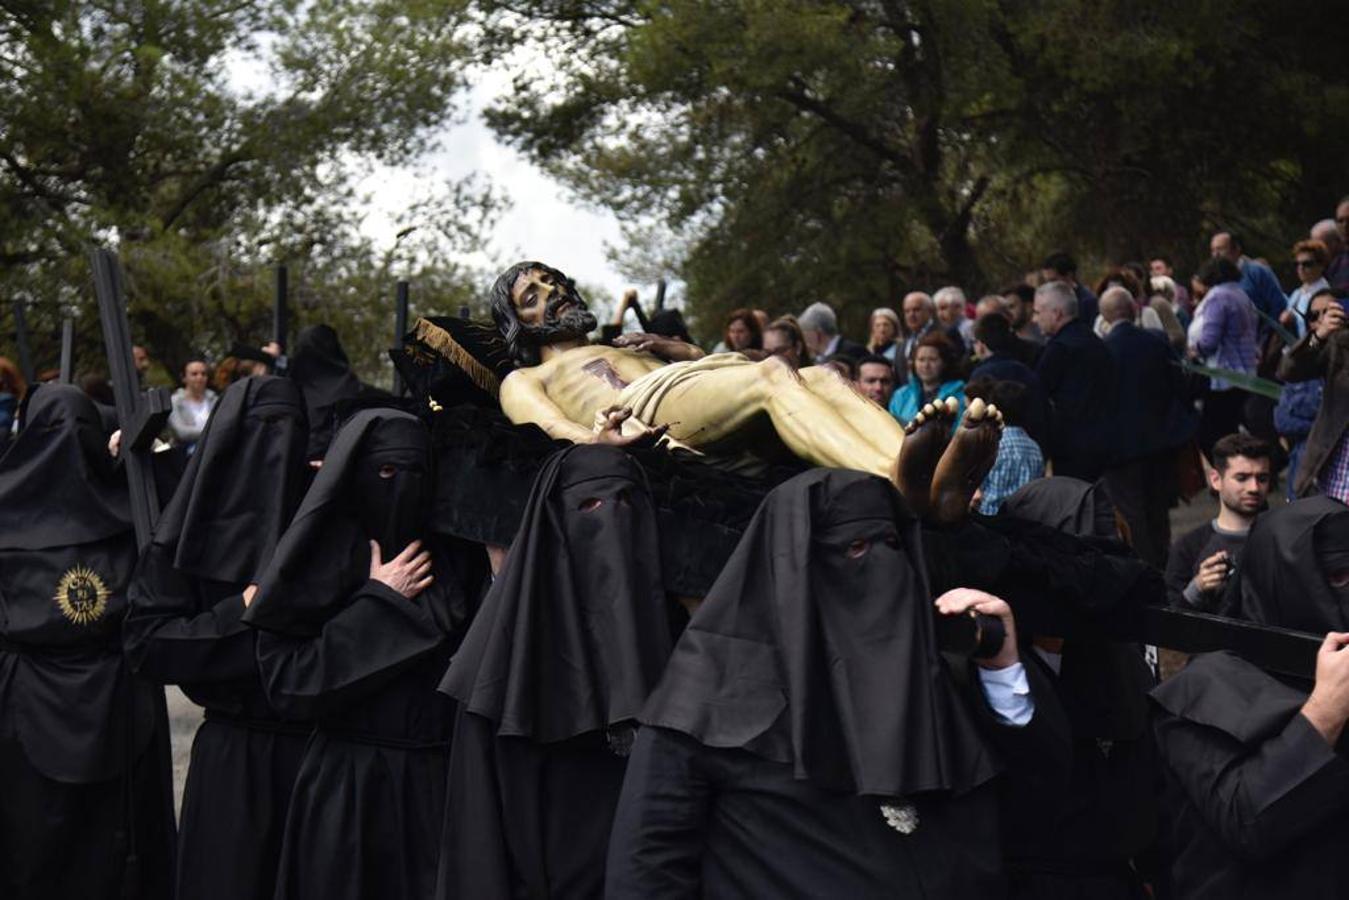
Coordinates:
[850,151]
[122,123]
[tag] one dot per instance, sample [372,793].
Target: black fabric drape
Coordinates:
[815,648]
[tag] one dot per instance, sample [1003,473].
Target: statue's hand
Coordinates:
[612,432]
[667,348]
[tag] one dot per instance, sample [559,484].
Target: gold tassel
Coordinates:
[443,342]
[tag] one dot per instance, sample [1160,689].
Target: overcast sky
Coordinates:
[540,220]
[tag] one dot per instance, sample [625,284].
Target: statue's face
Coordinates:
[549,310]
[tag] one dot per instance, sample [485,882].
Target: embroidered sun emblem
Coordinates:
[81,595]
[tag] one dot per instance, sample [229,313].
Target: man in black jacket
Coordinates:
[1078,373]
[1152,421]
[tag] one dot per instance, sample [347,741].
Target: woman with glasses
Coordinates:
[1311,258]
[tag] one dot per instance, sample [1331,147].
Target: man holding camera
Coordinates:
[1324,352]
[1202,560]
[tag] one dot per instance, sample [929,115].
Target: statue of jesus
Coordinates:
[648,387]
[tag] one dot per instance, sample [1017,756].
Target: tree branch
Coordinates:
[855,131]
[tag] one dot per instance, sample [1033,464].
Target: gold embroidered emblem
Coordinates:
[82,596]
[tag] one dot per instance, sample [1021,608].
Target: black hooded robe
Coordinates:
[185,627]
[73,718]
[364,661]
[550,679]
[1080,832]
[805,739]
[1256,802]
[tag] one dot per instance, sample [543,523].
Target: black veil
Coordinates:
[324,556]
[574,633]
[815,648]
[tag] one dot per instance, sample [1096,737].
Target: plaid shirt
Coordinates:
[1334,478]
[1019,461]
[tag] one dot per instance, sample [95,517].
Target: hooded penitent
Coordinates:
[241,486]
[66,555]
[574,632]
[319,365]
[815,649]
[1287,565]
[375,484]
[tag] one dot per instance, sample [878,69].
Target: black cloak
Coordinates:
[83,743]
[569,641]
[806,739]
[1256,801]
[320,367]
[217,534]
[364,661]
[1080,831]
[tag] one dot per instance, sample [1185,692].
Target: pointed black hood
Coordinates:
[58,485]
[242,485]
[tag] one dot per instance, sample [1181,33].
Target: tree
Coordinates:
[849,151]
[123,124]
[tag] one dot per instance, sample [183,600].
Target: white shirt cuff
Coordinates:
[1008,693]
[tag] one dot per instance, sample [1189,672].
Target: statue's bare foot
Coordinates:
[965,463]
[925,438]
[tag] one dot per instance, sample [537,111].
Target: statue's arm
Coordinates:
[524,398]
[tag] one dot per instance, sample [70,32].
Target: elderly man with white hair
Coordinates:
[951,303]
[919,314]
[819,327]
[1328,233]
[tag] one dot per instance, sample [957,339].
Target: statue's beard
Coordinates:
[575,323]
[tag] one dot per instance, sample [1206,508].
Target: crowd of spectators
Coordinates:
[1091,382]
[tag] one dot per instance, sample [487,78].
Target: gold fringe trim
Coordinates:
[443,342]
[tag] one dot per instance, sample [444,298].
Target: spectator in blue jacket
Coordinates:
[932,376]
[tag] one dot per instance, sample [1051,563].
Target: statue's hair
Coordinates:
[521,350]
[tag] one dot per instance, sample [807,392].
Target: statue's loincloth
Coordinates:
[644,396]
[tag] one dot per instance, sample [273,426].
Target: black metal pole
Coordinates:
[140,414]
[400,330]
[21,339]
[68,351]
[281,308]
[660,294]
